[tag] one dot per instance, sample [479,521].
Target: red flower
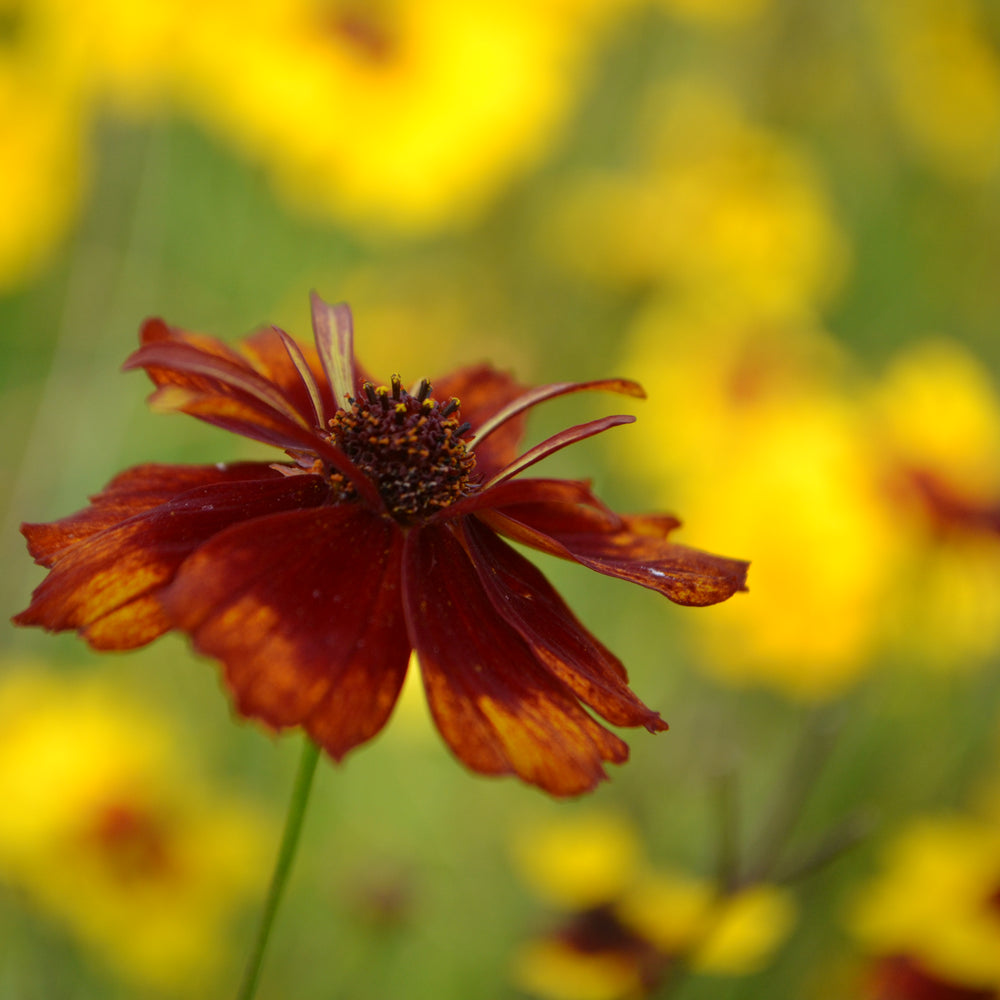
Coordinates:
[313,579]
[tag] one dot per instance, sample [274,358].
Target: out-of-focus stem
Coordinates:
[282,867]
[808,760]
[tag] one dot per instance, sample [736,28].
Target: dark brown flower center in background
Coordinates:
[13,18]
[600,931]
[411,447]
[131,842]
[364,31]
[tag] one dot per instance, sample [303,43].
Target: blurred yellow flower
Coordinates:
[627,924]
[137,52]
[106,832]
[579,861]
[43,118]
[733,934]
[937,418]
[715,12]
[446,293]
[935,901]
[869,508]
[943,73]
[765,450]
[401,115]
[560,970]
[718,209]
[940,415]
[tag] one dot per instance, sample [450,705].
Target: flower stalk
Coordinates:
[282,866]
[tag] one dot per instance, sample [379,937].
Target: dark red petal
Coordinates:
[541,393]
[129,493]
[556,443]
[638,551]
[103,586]
[498,708]
[305,614]
[253,422]
[562,494]
[263,352]
[333,328]
[522,596]
[175,363]
[202,377]
[483,391]
[562,514]
[230,395]
[241,416]
[266,350]
[156,331]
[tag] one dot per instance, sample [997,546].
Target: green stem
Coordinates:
[282,866]
[815,745]
[728,862]
[840,840]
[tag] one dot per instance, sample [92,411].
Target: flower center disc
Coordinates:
[410,446]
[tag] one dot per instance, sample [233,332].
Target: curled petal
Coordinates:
[238,415]
[333,327]
[227,394]
[637,551]
[542,393]
[522,596]
[202,377]
[317,640]
[105,585]
[169,362]
[556,443]
[483,391]
[295,368]
[308,380]
[157,331]
[249,418]
[499,709]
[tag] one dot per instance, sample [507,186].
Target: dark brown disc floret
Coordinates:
[409,445]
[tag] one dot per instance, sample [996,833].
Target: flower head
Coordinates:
[439,104]
[713,200]
[314,579]
[941,482]
[626,925]
[106,830]
[44,114]
[930,918]
[781,430]
[941,71]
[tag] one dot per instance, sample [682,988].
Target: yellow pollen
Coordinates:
[410,447]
